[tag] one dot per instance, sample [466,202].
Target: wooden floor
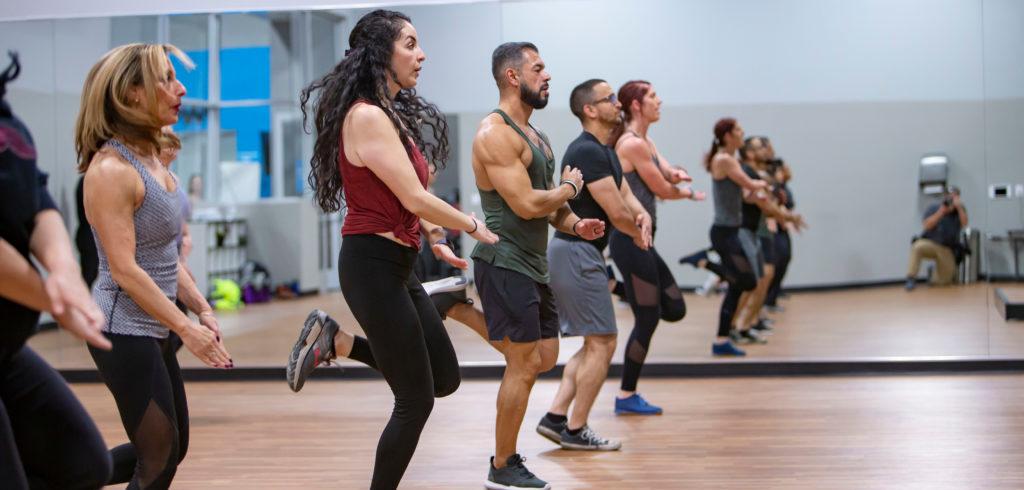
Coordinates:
[923,432]
[864,323]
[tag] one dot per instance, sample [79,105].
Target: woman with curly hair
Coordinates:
[372,152]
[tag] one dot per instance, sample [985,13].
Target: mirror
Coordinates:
[851,98]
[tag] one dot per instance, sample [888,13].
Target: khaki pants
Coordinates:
[945,263]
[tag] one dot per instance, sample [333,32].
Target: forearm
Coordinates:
[144,292]
[433,232]
[19,281]
[434,210]
[563,219]
[962,214]
[545,203]
[189,294]
[933,220]
[50,243]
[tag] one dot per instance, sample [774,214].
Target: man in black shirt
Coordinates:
[578,277]
[942,224]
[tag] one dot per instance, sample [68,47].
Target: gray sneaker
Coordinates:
[550,430]
[513,476]
[588,440]
[314,347]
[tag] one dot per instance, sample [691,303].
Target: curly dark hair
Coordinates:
[363,74]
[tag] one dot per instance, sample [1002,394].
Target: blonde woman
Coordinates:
[131,203]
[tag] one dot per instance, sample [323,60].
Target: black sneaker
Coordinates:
[694,259]
[588,440]
[513,476]
[551,430]
[762,327]
[314,347]
[748,337]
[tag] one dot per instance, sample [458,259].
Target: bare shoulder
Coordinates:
[109,166]
[362,115]
[495,141]
[631,144]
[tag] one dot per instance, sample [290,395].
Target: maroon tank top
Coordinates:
[371,206]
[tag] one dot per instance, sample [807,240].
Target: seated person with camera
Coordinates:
[940,240]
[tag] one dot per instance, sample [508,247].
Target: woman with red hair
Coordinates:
[651,290]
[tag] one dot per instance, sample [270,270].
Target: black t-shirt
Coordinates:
[596,161]
[947,231]
[751,213]
[22,195]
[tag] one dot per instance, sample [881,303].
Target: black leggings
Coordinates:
[735,268]
[407,343]
[783,253]
[653,295]
[143,375]
[47,439]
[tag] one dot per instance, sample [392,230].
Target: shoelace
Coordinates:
[591,437]
[522,470]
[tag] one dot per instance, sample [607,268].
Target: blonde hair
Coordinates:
[105,111]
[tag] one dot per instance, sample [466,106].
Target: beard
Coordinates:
[531,98]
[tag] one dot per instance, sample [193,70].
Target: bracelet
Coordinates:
[574,226]
[575,190]
[476,224]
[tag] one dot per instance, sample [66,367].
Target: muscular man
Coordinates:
[513,164]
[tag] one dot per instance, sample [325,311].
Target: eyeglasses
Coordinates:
[611,99]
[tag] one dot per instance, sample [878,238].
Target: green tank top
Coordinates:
[524,242]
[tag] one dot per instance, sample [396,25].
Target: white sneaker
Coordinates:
[446,285]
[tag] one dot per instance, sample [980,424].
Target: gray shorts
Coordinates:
[579,280]
[752,249]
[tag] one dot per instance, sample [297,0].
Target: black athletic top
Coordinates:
[595,161]
[23,195]
[751,213]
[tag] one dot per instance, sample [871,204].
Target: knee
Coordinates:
[673,311]
[746,282]
[414,409]
[528,365]
[448,386]
[92,472]
[602,346]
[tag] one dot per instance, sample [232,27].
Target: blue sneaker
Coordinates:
[726,349]
[635,405]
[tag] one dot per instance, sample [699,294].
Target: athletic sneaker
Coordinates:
[747,337]
[762,327]
[446,285]
[314,347]
[726,349]
[635,405]
[694,259]
[513,476]
[588,440]
[551,430]
[775,309]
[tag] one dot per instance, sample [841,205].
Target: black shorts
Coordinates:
[445,301]
[768,249]
[515,306]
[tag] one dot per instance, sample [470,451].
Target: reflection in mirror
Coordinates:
[872,127]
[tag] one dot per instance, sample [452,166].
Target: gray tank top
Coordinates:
[641,191]
[157,226]
[728,197]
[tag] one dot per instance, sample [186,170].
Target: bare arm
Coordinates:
[563,219]
[933,220]
[373,142]
[636,152]
[730,167]
[497,150]
[612,201]
[19,281]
